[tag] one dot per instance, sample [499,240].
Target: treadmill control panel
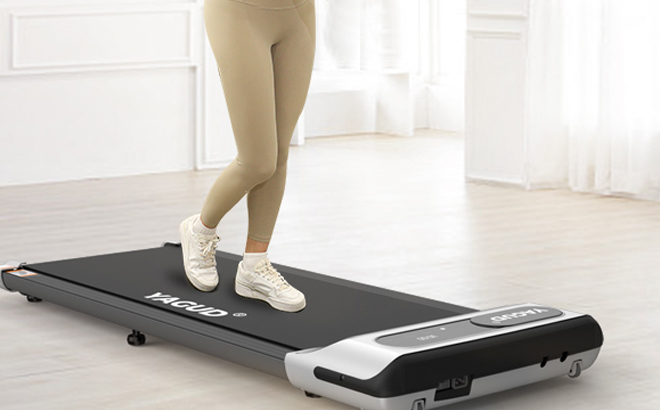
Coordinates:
[480,324]
[431,335]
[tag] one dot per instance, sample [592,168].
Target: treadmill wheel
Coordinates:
[312,395]
[136,338]
[31,299]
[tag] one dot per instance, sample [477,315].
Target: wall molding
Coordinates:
[499,9]
[17,17]
[496,34]
[499,15]
[76,43]
[81,69]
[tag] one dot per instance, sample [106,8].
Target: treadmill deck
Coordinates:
[336,308]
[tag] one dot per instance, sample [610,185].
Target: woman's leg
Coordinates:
[293,60]
[265,52]
[241,38]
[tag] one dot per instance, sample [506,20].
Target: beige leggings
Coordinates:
[265,52]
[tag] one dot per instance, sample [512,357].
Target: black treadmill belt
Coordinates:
[336,308]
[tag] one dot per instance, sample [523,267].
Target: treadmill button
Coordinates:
[516,316]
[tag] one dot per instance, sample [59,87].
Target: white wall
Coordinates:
[103,88]
[92,88]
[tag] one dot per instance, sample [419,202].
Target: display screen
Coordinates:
[432,335]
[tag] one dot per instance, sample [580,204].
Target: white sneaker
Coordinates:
[199,256]
[267,284]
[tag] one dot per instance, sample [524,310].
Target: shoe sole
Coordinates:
[247,292]
[193,281]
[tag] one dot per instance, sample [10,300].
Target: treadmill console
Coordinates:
[480,324]
[437,363]
[431,335]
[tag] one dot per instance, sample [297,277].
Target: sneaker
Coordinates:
[199,256]
[265,283]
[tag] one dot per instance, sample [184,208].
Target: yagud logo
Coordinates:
[188,305]
[517,315]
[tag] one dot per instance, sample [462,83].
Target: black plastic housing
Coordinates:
[424,370]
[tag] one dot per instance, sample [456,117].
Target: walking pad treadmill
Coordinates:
[365,346]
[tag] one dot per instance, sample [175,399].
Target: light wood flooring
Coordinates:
[389,211]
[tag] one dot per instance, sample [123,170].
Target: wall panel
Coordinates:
[496,75]
[99,88]
[42,40]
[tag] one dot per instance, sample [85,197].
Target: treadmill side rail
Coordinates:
[449,360]
[213,340]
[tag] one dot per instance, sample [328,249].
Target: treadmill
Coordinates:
[368,347]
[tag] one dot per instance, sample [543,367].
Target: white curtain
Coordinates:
[594,110]
[364,34]
[419,44]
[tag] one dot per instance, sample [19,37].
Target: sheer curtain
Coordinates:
[365,34]
[595,95]
[419,44]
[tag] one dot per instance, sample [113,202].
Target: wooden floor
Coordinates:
[390,211]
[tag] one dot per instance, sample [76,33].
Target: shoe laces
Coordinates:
[268,272]
[208,250]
